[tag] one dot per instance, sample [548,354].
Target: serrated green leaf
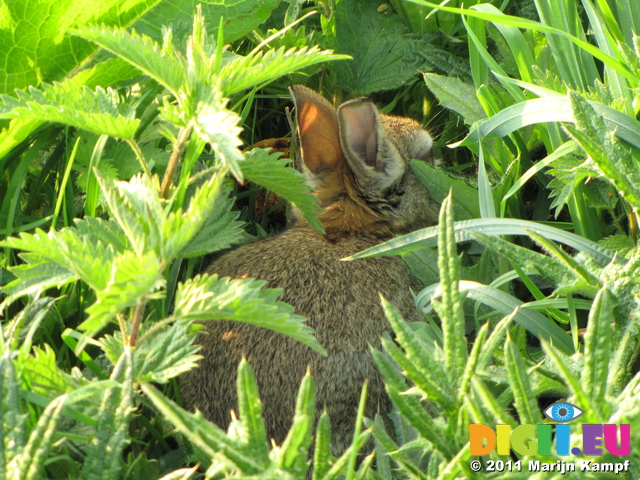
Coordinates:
[207,297]
[620,244]
[409,406]
[240,17]
[456,95]
[258,68]
[136,206]
[574,382]
[598,347]
[133,277]
[272,172]
[167,354]
[204,435]
[41,372]
[527,260]
[13,428]
[103,460]
[599,141]
[525,401]
[101,111]
[419,364]
[84,257]
[322,450]
[35,278]
[449,305]
[219,126]
[439,183]
[385,54]
[106,231]
[29,463]
[297,442]
[140,51]
[218,231]
[252,430]
[179,228]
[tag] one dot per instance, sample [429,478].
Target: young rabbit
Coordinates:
[356,160]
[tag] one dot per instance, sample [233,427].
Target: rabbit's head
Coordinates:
[356,159]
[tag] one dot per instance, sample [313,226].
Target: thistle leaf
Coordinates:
[29,463]
[205,436]
[103,460]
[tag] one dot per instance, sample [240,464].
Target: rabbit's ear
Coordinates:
[318,133]
[374,161]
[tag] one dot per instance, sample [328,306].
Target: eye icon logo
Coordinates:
[562,412]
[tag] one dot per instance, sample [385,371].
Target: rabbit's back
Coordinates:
[342,303]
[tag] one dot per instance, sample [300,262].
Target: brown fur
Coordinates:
[357,161]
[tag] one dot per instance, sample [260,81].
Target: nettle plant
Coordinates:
[137,334]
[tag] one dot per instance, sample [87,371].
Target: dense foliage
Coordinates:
[125,147]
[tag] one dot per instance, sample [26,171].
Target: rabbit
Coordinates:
[356,161]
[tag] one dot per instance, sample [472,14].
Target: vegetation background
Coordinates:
[126,128]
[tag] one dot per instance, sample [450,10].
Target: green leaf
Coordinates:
[103,459]
[83,257]
[385,54]
[240,17]
[410,407]
[257,68]
[106,231]
[439,183]
[272,172]
[136,206]
[141,51]
[419,364]
[204,435]
[536,323]
[550,109]
[322,452]
[13,427]
[169,352]
[492,226]
[449,305]
[101,111]
[39,49]
[219,230]
[293,453]
[179,228]
[456,95]
[252,431]
[529,260]
[207,297]
[598,347]
[525,400]
[29,463]
[133,278]
[35,278]
[599,141]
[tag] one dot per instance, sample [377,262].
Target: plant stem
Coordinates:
[173,161]
[137,320]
